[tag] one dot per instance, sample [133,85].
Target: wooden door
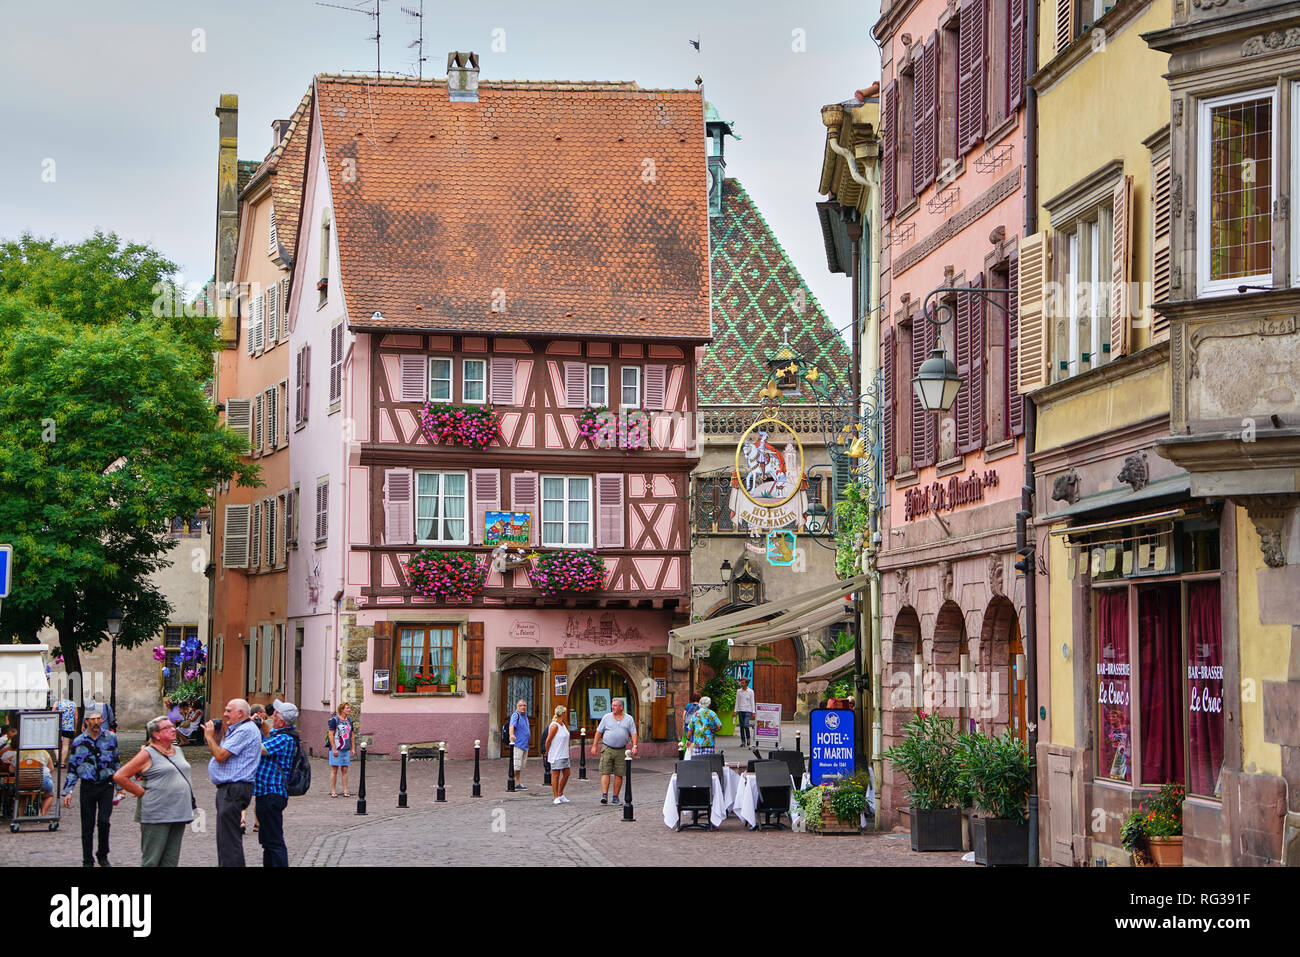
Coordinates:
[521,683]
[775,682]
[1019,682]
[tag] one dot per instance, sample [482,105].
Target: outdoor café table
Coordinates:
[717,798]
[746,807]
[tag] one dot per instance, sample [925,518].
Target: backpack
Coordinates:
[299,770]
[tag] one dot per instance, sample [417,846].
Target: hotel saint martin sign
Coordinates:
[948,495]
[768,487]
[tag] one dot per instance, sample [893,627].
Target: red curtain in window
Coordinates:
[1205,681]
[1115,757]
[1161,687]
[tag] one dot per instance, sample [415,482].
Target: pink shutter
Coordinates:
[656,383]
[929,420]
[503,381]
[1016,56]
[415,378]
[963,342]
[921,96]
[609,510]
[298,381]
[925,114]
[889,174]
[917,451]
[970,88]
[575,385]
[1015,402]
[306,381]
[978,367]
[486,487]
[888,426]
[399,510]
[523,498]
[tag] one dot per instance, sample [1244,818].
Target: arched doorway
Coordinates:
[591,696]
[998,702]
[945,662]
[526,684]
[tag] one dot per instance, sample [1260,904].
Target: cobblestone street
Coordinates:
[499,829]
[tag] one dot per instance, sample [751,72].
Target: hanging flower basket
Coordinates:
[473,427]
[567,571]
[446,576]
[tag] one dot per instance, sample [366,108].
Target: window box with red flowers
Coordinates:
[567,571]
[599,426]
[472,427]
[447,576]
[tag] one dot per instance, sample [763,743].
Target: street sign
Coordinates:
[831,734]
[6,569]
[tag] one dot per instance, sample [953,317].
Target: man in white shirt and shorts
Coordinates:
[613,733]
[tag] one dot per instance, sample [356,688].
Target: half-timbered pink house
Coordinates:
[518,256]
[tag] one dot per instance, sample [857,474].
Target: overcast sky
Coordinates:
[113,102]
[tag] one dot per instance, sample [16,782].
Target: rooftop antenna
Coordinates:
[359,7]
[418,42]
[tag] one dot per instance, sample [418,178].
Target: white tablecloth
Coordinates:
[717,798]
[746,806]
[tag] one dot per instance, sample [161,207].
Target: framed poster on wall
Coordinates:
[597,703]
[561,685]
[381,680]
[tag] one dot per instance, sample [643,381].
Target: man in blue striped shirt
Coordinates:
[234,762]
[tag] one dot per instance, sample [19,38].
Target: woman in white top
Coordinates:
[557,753]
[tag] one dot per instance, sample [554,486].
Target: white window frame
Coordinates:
[622,385]
[566,541]
[592,387]
[465,381]
[1098,249]
[1223,287]
[449,378]
[442,498]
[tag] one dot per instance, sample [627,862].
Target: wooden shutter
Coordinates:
[259,321]
[503,381]
[1120,265]
[239,418]
[656,383]
[270,513]
[306,382]
[336,363]
[271,236]
[1161,213]
[290,518]
[924,134]
[272,418]
[659,705]
[234,546]
[284,307]
[255,538]
[485,485]
[609,510]
[962,338]
[381,655]
[273,313]
[889,174]
[978,366]
[575,384]
[970,84]
[888,425]
[523,498]
[259,405]
[917,429]
[474,651]
[299,385]
[1015,401]
[399,511]
[1016,57]
[1064,24]
[414,378]
[929,420]
[322,510]
[1034,321]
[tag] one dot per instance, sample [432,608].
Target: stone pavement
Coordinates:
[499,829]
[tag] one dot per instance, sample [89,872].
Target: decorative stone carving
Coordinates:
[904,587]
[1283,208]
[1268,513]
[1266,43]
[1134,472]
[997,234]
[1178,113]
[995,575]
[945,579]
[1065,488]
[1176,194]
[1279,326]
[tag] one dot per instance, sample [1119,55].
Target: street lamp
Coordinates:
[114,629]
[937,383]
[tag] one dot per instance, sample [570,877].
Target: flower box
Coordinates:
[474,427]
[831,824]
[567,571]
[447,576]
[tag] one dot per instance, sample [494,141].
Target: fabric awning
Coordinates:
[830,669]
[23,685]
[770,621]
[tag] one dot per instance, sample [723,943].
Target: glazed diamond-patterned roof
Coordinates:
[755,293]
[578,207]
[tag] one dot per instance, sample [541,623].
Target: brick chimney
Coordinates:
[227,215]
[462,76]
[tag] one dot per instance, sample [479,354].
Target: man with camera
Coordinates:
[235,757]
[271,784]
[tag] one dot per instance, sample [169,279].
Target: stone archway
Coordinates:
[997,698]
[943,672]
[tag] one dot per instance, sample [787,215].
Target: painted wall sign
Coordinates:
[508,528]
[947,495]
[831,733]
[780,547]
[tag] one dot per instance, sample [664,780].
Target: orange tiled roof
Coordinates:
[584,203]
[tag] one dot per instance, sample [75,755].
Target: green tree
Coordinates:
[107,434]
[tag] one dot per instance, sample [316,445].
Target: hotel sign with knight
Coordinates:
[769,486]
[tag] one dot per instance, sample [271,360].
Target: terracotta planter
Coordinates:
[426,689]
[936,830]
[1166,851]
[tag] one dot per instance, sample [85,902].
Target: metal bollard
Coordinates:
[508,750]
[401,785]
[798,743]
[442,781]
[546,766]
[627,793]
[681,754]
[361,792]
[478,789]
[582,754]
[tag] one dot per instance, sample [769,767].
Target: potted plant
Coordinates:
[1164,825]
[1133,836]
[402,679]
[811,806]
[840,694]
[996,774]
[928,758]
